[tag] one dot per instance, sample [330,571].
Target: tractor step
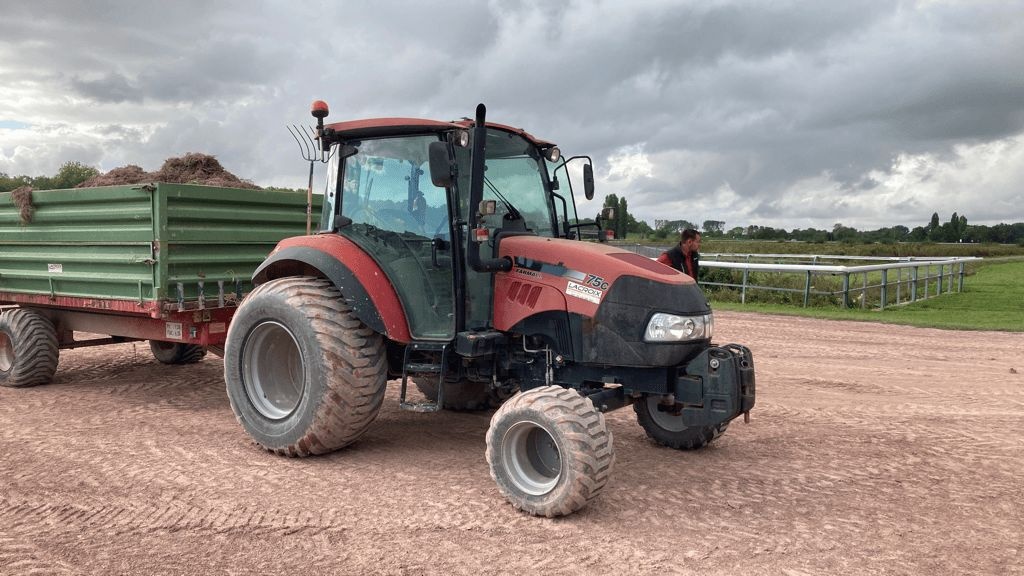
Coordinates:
[431,350]
[421,407]
[423,368]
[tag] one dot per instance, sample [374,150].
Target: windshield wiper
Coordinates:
[512,211]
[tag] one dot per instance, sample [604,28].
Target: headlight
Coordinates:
[671,328]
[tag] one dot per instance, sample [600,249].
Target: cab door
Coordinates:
[402,220]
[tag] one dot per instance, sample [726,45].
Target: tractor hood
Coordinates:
[608,294]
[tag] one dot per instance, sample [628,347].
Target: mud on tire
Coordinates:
[669,430]
[304,375]
[550,451]
[28,348]
[176,352]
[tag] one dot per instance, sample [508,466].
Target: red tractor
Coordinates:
[473,284]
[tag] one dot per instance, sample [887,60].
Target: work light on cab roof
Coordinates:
[319,109]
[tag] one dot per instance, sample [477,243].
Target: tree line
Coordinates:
[69,175]
[956,229]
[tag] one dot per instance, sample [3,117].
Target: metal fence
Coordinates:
[885,281]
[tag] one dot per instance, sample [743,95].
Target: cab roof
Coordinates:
[382,127]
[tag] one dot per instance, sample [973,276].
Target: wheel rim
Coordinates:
[532,459]
[272,370]
[6,352]
[664,420]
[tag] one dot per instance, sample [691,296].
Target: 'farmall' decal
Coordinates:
[584,292]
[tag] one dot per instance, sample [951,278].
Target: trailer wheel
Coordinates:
[463,395]
[176,352]
[304,375]
[668,430]
[28,348]
[549,451]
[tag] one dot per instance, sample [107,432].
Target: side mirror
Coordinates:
[588,181]
[440,165]
[607,213]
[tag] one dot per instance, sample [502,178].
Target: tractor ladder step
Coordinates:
[431,350]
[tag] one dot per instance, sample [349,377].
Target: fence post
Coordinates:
[938,283]
[846,289]
[743,290]
[885,286]
[899,284]
[949,288]
[807,289]
[913,284]
[864,293]
[960,287]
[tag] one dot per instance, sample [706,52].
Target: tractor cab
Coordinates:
[401,190]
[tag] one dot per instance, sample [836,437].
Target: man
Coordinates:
[684,257]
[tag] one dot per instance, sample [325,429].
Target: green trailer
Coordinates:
[168,263]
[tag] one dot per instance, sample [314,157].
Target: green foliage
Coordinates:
[69,175]
[72,174]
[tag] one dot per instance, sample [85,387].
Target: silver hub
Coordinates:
[6,352]
[272,370]
[531,456]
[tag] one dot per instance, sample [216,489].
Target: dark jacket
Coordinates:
[677,260]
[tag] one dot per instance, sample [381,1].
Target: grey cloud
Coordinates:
[108,88]
[765,95]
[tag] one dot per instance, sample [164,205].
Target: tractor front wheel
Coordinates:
[304,375]
[550,451]
[668,429]
[28,348]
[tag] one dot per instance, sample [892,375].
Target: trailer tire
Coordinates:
[550,451]
[176,352]
[29,350]
[304,376]
[668,430]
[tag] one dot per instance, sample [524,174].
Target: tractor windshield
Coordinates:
[515,177]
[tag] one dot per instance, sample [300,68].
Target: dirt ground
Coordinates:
[873,449]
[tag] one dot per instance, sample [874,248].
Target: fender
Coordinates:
[362,283]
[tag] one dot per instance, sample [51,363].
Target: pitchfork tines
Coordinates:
[309,145]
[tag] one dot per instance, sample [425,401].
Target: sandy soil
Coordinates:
[873,449]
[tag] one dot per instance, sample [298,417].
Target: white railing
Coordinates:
[887,281]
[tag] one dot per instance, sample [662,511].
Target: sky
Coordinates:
[787,114]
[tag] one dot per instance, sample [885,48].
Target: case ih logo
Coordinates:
[585,292]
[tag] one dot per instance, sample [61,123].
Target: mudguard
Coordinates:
[363,285]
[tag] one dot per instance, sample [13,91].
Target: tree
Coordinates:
[72,174]
[935,222]
[622,219]
[713,227]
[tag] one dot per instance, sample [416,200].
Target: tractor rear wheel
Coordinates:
[669,430]
[304,375]
[550,451]
[28,348]
[176,352]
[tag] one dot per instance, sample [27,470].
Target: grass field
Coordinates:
[993,299]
